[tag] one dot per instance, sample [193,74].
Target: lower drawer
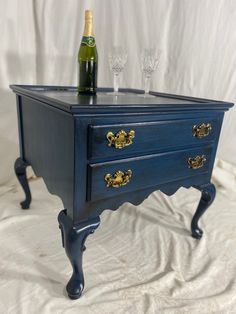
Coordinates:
[121,176]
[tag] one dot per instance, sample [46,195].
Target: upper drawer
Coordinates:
[116,140]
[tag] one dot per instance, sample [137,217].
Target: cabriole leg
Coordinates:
[208,195]
[20,171]
[73,239]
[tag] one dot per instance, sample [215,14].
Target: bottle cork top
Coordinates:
[88,14]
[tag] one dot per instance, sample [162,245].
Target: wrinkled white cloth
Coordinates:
[141,260]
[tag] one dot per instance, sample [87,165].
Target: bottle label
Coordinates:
[88,41]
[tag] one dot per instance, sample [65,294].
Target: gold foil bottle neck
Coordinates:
[88,27]
[88,15]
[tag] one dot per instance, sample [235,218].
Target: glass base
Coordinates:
[146,96]
[115,93]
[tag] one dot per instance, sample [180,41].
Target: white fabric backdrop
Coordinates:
[40,39]
[39,43]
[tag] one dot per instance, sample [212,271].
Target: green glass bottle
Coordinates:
[87,59]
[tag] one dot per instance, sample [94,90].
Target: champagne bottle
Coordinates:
[87,58]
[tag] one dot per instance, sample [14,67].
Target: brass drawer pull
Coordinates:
[196,162]
[121,139]
[119,179]
[202,130]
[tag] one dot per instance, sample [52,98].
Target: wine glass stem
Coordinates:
[116,82]
[147,80]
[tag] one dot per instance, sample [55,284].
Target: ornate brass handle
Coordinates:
[202,130]
[118,179]
[196,162]
[121,139]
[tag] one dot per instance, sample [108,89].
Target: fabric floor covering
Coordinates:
[140,260]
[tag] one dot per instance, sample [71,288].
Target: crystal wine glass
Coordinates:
[149,61]
[117,61]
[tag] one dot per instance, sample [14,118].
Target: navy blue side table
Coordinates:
[97,152]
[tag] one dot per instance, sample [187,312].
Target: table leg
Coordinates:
[20,171]
[73,239]
[208,195]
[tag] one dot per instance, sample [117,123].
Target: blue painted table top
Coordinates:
[66,98]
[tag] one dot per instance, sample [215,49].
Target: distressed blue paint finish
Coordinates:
[149,136]
[147,171]
[20,171]
[63,137]
[73,240]
[208,196]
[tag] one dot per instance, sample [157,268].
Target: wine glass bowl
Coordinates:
[149,62]
[117,62]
